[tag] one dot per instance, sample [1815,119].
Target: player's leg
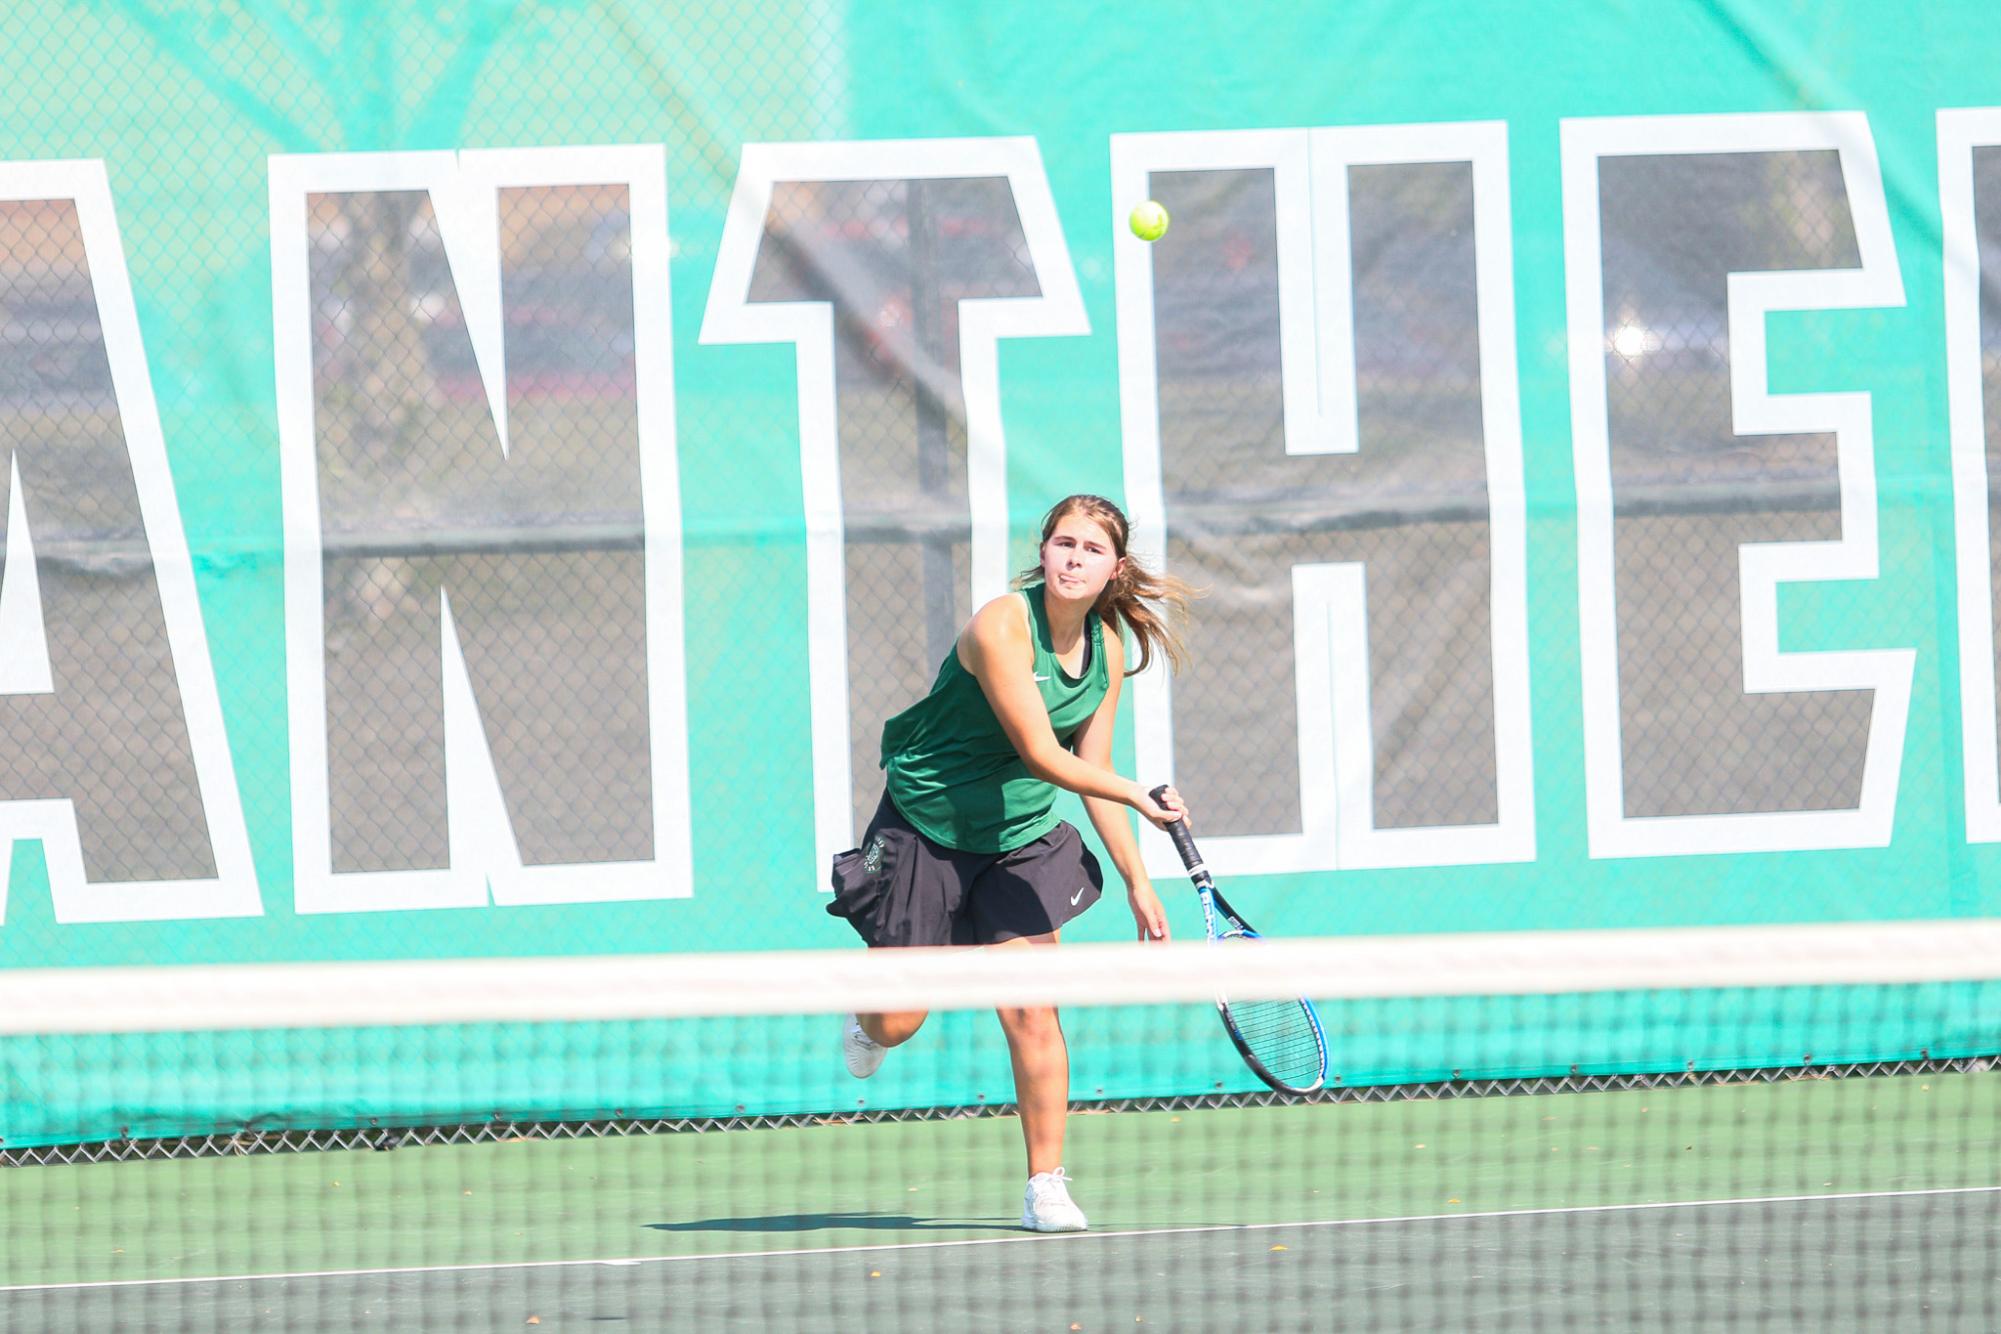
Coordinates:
[894,1028]
[1022,900]
[1041,1062]
[867,1038]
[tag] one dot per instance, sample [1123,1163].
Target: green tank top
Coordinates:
[951,770]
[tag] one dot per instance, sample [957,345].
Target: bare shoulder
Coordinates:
[1115,650]
[998,627]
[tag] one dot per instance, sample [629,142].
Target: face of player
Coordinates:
[1078,559]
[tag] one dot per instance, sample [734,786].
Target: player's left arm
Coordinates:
[1093,743]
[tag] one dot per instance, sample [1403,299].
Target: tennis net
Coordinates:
[1751,1128]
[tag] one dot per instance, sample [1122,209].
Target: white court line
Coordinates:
[1073,1237]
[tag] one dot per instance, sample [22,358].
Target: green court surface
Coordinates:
[1812,1201]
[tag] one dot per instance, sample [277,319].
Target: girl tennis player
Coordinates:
[966,849]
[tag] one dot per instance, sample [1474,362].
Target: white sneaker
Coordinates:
[862,1052]
[1046,1205]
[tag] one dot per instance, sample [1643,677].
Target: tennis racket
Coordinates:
[1280,1040]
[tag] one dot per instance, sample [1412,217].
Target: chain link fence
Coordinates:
[523,555]
[537,547]
[500,1130]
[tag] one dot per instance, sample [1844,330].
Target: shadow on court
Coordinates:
[830,1221]
[1807,1205]
[1897,1262]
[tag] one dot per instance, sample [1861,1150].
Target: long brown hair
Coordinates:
[1153,606]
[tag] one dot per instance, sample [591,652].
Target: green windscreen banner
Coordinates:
[477,481]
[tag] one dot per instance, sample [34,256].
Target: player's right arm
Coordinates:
[995,648]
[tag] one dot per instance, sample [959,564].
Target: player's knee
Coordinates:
[1031,1025]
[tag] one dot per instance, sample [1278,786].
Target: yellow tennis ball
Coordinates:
[1149,221]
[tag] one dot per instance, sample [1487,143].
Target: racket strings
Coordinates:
[1280,1035]
[1283,1038]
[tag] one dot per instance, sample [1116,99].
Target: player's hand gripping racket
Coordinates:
[1279,1039]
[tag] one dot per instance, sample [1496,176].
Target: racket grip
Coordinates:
[1184,842]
